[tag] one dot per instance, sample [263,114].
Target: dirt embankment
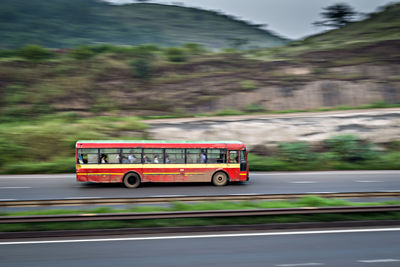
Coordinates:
[377,126]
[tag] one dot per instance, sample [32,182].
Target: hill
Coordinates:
[376,36]
[150,80]
[69,23]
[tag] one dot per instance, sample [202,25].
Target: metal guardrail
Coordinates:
[196,214]
[158,200]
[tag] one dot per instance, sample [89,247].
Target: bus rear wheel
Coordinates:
[131,180]
[220,179]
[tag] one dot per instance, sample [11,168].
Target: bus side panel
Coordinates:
[233,171]
[81,174]
[98,175]
[160,173]
[196,174]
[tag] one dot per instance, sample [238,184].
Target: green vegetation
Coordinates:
[47,144]
[35,53]
[310,201]
[70,23]
[176,54]
[342,152]
[372,40]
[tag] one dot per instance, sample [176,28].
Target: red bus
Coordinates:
[135,162]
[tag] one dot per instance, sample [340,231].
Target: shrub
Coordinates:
[257,163]
[254,108]
[35,53]
[7,53]
[145,50]
[295,152]
[175,54]
[194,49]
[9,151]
[142,68]
[82,53]
[249,85]
[229,112]
[102,48]
[350,148]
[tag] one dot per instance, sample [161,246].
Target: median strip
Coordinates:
[171,198]
[217,213]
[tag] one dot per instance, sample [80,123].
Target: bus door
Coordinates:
[233,165]
[244,167]
[243,161]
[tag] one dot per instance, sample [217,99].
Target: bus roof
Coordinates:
[156,142]
[145,143]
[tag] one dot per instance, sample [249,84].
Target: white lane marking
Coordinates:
[81,197]
[369,181]
[202,236]
[303,182]
[324,173]
[300,264]
[246,194]
[169,196]
[320,192]
[15,187]
[13,177]
[72,175]
[378,260]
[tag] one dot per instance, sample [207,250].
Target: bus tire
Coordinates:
[220,179]
[132,180]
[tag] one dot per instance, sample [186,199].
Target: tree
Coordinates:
[35,53]
[337,15]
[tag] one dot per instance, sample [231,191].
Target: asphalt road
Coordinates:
[65,186]
[352,247]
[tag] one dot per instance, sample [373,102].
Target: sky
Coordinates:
[288,18]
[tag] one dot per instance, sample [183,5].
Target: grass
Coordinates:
[47,144]
[310,201]
[389,160]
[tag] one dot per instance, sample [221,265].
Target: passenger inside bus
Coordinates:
[146,159]
[203,157]
[103,158]
[124,160]
[82,159]
[132,158]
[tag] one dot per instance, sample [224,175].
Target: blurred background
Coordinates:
[314,86]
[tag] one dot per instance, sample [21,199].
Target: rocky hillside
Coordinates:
[149,80]
[69,23]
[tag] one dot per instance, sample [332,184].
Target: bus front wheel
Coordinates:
[132,180]
[220,179]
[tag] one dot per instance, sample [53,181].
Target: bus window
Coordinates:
[131,155]
[193,156]
[174,155]
[153,155]
[233,156]
[216,155]
[88,156]
[109,155]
